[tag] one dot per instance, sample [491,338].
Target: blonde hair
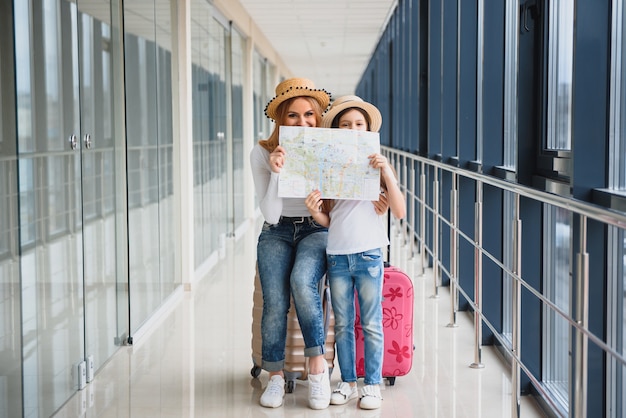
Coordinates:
[282,110]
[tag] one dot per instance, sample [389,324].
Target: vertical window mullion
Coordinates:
[510,85]
[616,252]
[480,45]
[617,127]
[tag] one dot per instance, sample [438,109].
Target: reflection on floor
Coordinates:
[195,361]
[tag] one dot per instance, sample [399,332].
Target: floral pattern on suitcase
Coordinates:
[397,326]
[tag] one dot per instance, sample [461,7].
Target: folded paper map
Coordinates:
[333,161]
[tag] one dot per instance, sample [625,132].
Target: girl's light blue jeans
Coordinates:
[362,272]
[291,257]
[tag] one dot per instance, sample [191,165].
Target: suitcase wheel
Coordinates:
[255,372]
[291,385]
[391,380]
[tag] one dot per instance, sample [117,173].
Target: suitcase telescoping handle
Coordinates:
[388,262]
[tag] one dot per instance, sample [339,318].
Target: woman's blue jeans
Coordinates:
[362,272]
[291,257]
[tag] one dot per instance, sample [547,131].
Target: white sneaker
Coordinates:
[319,389]
[274,392]
[371,397]
[344,393]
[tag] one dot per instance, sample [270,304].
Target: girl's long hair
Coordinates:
[272,142]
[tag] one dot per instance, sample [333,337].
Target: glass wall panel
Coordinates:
[147,25]
[66,190]
[509,158]
[560,73]
[258,94]
[10,301]
[202,124]
[143,210]
[557,253]
[508,255]
[263,91]
[210,128]
[164,16]
[50,199]
[238,48]
[217,185]
[96,48]
[510,84]
[57,118]
[269,89]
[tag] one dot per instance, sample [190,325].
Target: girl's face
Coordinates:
[353,119]
[300,113]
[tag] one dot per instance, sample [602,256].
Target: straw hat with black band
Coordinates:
[296,87]
[347,102]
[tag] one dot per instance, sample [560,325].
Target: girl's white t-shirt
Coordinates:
[355,227]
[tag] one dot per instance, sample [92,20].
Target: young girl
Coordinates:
[356,235]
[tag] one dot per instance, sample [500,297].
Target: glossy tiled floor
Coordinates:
[195,359]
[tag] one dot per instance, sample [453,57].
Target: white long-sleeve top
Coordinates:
[355,227]
[266,188]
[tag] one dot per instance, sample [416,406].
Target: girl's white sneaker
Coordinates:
[371,397]
[344,393]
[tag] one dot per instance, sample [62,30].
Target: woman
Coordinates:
[291,249]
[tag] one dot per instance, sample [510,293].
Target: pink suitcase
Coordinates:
[397,326]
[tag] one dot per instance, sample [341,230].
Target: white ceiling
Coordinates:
[328,41]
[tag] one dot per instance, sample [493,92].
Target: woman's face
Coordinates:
[300,113]
[353,119]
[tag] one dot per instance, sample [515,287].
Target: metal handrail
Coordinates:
[590,210]
[405,162]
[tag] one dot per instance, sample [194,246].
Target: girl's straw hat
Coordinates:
[346,102]
[296,87]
